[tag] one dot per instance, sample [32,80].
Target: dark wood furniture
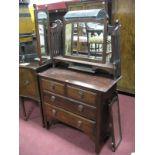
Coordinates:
[86,5]
[125,12]
[96,19]
[81,90]
[80,100]
[34,60]
[29,86]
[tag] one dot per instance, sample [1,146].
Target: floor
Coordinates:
[63,140]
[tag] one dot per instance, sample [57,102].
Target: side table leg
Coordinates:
[23,108]
[47,125]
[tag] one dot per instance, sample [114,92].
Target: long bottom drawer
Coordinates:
[69,118]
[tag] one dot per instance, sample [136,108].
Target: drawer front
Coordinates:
[53,86]
[70,119]
[28,83]
[81,95]
[70,105]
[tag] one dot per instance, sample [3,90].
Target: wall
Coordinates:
[125,12]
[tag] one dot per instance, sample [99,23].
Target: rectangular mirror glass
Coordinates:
[43,34]
[86,40]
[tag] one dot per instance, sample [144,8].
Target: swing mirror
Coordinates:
[85,35]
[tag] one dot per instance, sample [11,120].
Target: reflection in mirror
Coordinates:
[86,40]
[30,49]
[42,30]
[42,33]
[68,31]
[27,41]
[42,15]
[95,39]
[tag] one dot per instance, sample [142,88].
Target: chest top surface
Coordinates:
[89,81]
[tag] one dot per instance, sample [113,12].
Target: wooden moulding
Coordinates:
[106,67]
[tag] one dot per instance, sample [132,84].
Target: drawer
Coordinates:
[53,86]
[69,118]
[81,95]
[70,105]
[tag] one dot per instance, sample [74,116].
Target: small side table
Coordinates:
[29,86]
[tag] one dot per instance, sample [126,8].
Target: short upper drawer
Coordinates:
[53,86]
[81,95]
[70,105]
[70,118]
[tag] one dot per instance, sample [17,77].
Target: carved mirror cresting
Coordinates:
[115,123]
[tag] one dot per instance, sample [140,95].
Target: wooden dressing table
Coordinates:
[81,88]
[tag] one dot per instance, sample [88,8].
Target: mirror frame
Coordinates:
[115,102]
[101,21]
[36,11]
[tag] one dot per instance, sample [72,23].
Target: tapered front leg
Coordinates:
[42,115]
[97,148]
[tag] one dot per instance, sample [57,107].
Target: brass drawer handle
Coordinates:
[27,82]
[81,94]
[54,112]
[80,108]
[79,123]
[52,98]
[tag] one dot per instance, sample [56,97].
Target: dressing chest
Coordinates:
[79,100]
[80,88]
